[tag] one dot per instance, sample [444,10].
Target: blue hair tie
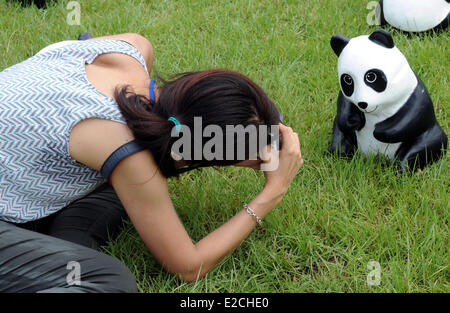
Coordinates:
[176,122]
[151,92]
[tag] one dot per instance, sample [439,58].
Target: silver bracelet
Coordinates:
[252,213]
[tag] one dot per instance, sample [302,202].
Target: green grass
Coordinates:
[338,215]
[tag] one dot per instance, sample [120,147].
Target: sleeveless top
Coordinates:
[41,99]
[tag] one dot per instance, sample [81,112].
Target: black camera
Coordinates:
[271,137]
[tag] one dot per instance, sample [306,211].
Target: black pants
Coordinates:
[58,253]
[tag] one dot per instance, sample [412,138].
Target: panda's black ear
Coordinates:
[338,43]
[382,38]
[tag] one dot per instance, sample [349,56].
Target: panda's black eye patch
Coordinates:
[376,80]
[347,84]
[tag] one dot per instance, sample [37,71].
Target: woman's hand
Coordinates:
[290,161]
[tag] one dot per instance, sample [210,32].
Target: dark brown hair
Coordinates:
[220,97]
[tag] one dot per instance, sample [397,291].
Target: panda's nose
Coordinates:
[362,105]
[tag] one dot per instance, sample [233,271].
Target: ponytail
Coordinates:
[150,130]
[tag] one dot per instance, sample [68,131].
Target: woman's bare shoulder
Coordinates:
[93,140]
[142,44]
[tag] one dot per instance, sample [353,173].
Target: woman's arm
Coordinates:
[144,193]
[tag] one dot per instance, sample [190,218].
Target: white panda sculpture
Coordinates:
[415,15]
[383,107]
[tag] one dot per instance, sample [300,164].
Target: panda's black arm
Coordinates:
[344,144]
[413,118]
[348,119]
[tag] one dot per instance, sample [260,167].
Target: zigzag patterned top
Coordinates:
[41,99]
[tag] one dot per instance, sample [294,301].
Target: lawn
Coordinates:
[338,215]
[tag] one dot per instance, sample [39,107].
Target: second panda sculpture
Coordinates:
[415,16]
[383,106]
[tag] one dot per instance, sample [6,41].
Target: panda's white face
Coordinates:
[374,78]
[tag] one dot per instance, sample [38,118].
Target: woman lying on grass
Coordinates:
[80,112]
